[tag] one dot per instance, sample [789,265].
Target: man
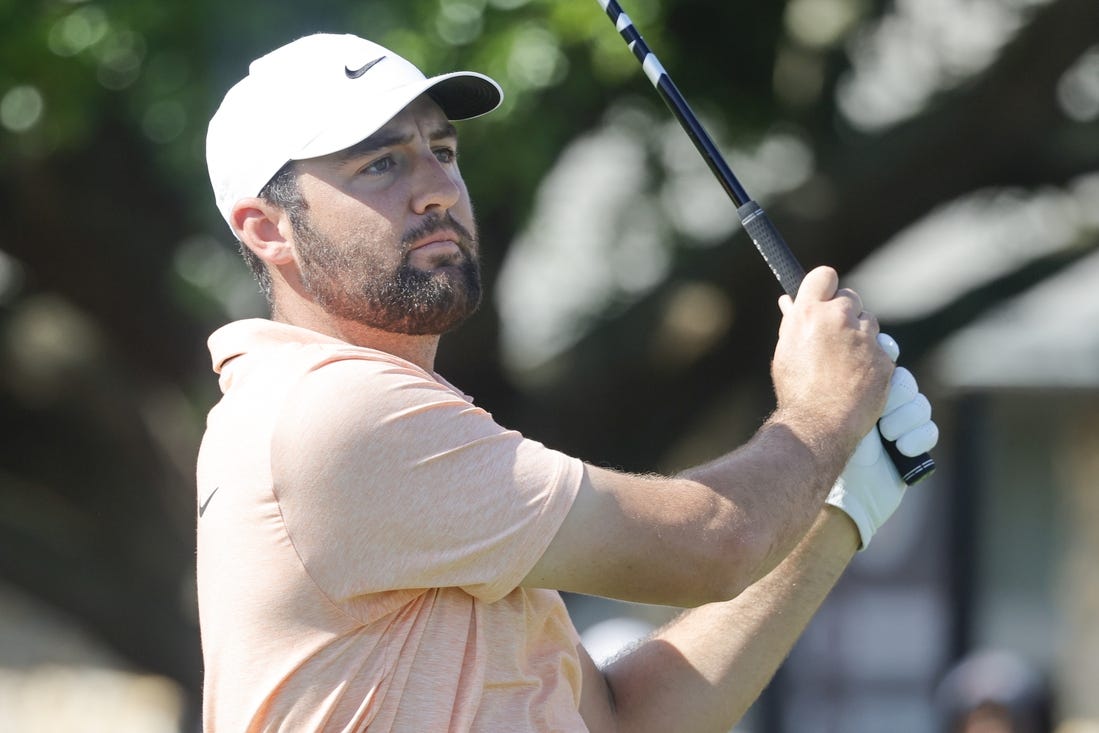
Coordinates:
[375,552]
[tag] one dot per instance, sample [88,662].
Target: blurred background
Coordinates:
[943,155]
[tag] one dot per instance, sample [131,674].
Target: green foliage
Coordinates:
[159,69]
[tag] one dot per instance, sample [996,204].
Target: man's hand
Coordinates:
[869,490]
[829,369]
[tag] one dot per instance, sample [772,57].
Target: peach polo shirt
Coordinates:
[362,532]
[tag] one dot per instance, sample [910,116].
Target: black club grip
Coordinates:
[790,273]
[772,246]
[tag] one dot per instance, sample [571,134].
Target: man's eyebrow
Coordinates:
[383,139]
[443,131]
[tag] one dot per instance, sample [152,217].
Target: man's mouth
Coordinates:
[437,240]
[438,248]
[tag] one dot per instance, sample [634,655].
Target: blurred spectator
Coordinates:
[994,692]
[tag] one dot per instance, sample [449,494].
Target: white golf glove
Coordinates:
[869,490]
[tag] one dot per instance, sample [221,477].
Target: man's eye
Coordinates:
[446,155]
[381,165]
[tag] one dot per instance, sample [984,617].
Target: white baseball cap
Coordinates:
[318,95]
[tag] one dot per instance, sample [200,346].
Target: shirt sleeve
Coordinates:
[388,479]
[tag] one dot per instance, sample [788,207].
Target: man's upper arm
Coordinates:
[643,539]
[387,480]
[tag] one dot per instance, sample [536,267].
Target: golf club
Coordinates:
[753,218]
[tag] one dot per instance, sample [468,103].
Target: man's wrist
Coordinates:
[839,524]
[828,444]
[841,502]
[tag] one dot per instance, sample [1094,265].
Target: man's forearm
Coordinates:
[704,670]
[779,479]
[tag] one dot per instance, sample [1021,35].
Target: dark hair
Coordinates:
[282,191]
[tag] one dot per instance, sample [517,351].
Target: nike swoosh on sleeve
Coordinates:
[203,505]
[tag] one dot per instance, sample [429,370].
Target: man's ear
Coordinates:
[265,229]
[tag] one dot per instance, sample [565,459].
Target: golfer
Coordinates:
[377,553]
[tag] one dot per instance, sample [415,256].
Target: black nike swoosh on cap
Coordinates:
[356,73]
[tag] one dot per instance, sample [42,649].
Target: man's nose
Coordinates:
[436,186]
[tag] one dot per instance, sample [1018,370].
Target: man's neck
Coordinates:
[420,350]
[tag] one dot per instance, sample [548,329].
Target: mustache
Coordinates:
[439,223]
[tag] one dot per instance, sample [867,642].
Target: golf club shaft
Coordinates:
[753,218]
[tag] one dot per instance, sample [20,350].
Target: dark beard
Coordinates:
[403,299]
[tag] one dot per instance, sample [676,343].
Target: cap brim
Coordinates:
[465,94]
